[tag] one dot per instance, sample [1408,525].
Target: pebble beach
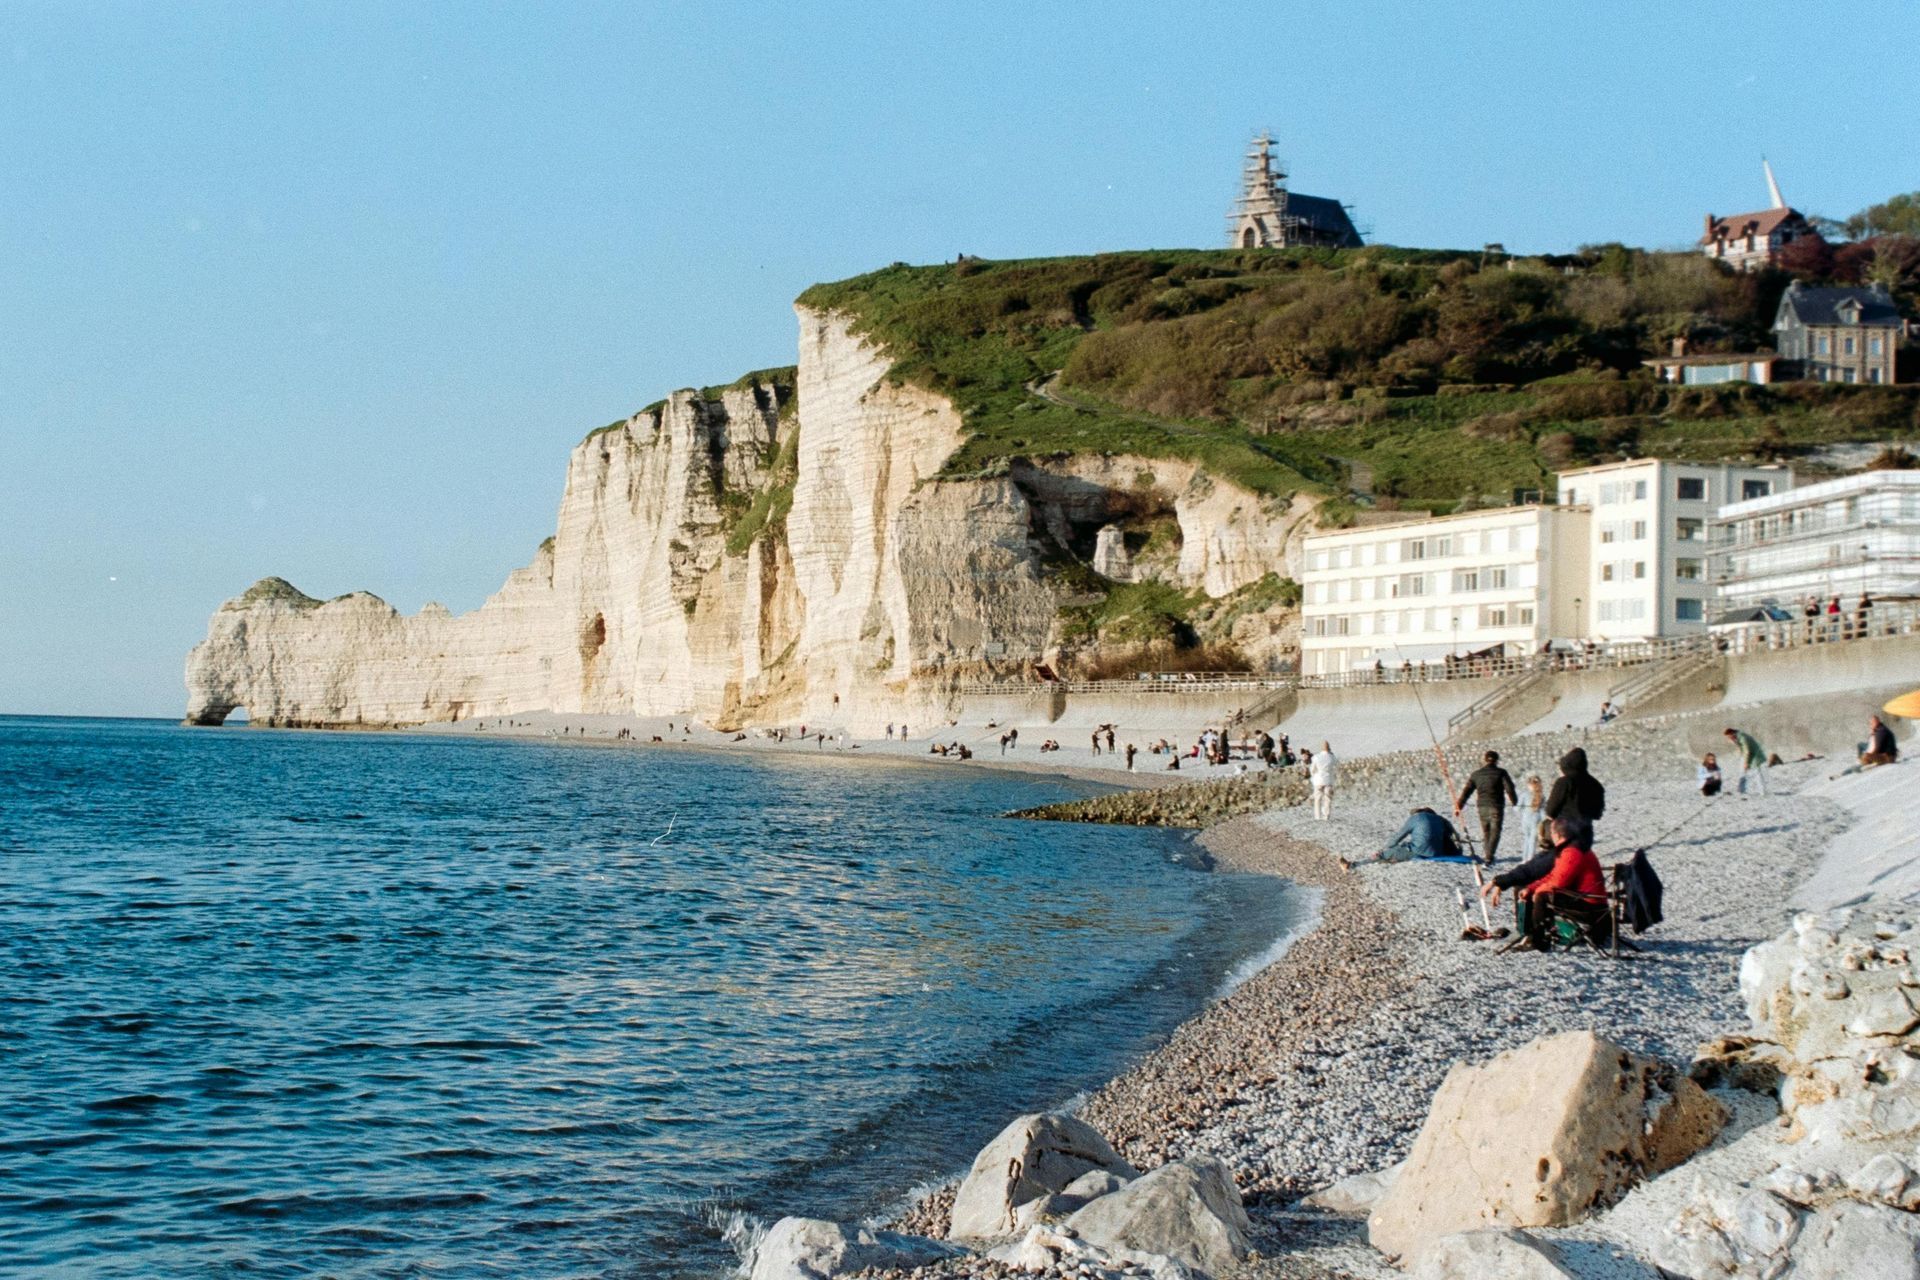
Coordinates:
[1322,1064]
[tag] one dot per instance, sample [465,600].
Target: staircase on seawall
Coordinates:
[1500,696]
[1657,677]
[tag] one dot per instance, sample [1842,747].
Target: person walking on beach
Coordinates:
[1096,744]
[1753,759]
[1003,744]
[1532,801]
[1324,775]
[1109,737]
[1576,793]
[1129,757]
[1494,786]
[889,731]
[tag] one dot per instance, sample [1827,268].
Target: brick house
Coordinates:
[1839,334]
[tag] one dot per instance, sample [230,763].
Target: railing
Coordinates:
[1491,702]
[1882,620]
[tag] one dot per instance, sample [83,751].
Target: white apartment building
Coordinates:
[1646,570]
[1420,590]
[1839,537]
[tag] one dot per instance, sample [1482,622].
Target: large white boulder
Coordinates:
[1540,1136]
[1188,1212]
[1033,1157]
[1853,1241]
[814,1249]
[1494,1254]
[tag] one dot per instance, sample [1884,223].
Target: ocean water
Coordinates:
[281,1004]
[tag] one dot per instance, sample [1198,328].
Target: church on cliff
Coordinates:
[1268,216]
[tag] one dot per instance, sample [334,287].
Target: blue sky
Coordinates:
[328,290]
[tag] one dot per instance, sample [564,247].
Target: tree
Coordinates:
[1808,257]
[1899,216]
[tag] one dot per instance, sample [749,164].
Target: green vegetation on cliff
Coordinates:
[278,589]
[1422,378]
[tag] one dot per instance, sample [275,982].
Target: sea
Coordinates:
[355,1005]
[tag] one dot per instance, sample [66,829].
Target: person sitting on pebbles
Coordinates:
[1425,835]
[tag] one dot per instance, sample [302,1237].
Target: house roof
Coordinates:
[1812,305]
[1734,225]
[1324,214]
[1723,357]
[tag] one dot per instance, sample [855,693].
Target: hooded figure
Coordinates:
[1576,793]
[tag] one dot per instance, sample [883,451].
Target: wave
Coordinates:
[1237,977]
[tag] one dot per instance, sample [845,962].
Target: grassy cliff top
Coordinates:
[277,589]
[1423,377]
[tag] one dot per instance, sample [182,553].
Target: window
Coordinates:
[1686,570]
[1526,615]
[1497,579]
[1873,374]
[1493,615]
[1466,580]
[1639,530]
[1639,570]
[1442,547]
[1414,549]
[1639,490]
[1687,529]
[1846,346]
[1691,489]
[1413,584]
[1755,488]
[1849,374]
[1606,572]
[1826,345]
[1687,609]
[1875,346]
[1609,493]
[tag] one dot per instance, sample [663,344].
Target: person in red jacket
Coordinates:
[1575,888]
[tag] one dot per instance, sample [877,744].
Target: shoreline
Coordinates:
[1320,1064]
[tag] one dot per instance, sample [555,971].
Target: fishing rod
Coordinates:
[1439,755]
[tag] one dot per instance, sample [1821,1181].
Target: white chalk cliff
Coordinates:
[881,588]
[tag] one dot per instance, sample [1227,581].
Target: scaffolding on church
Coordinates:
[1266,215]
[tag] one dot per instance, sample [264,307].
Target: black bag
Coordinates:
[1643,892]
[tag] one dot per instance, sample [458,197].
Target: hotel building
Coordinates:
[1647,566]
[1839,537]
[1419,590]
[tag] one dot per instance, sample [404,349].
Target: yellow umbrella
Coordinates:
[1907,704]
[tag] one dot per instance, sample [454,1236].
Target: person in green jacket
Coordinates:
[1753,759]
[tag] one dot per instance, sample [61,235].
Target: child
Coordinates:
[1709,775]
[1533,800]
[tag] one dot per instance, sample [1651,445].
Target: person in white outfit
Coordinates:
[1324,775]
